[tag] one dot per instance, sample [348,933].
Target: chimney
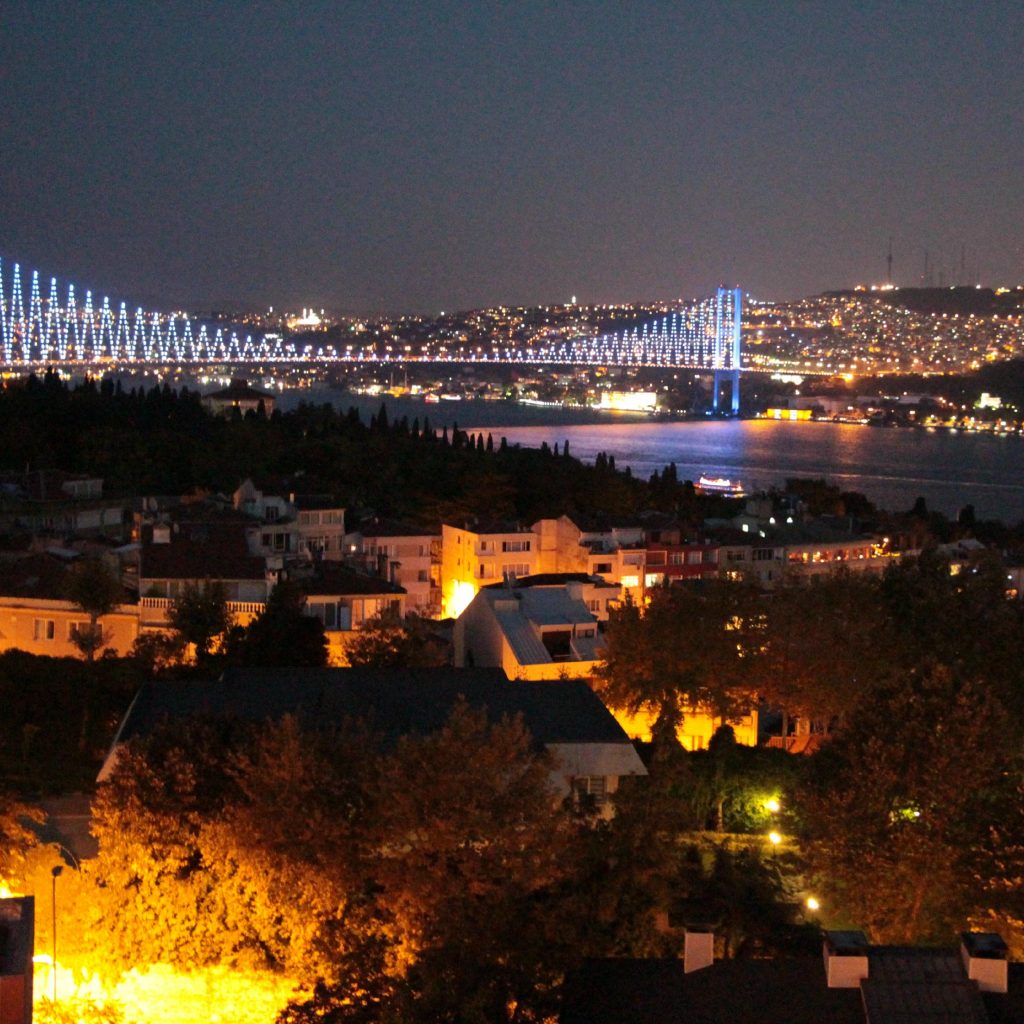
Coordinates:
[698,949]
[984,958]
[846,959]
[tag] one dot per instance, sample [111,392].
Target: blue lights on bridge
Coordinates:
[61,330]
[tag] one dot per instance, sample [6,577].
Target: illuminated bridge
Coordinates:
[53,326]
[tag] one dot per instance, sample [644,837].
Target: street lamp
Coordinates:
[773,805]
[55,872]
[812,904]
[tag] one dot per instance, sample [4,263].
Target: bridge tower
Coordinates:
[728,313]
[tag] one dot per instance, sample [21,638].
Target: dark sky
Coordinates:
[427,156]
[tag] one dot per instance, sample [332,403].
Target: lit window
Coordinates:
[43,629]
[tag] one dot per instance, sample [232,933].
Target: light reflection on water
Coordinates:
[891,466]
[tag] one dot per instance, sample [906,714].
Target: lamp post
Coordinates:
[55,872]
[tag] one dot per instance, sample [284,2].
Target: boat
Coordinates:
[721,486]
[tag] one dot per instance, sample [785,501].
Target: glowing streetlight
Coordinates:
[774,838]
[773,805]
[812,904]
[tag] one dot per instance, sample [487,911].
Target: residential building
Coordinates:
[852,982]
[473,556]
[239,395]
[183,553]
[590,752]
[321,522]
[300,526]
[35,616]
[404,555]
[61,504]
[344,599]
[533,628]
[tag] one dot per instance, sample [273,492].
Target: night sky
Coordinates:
[428,156]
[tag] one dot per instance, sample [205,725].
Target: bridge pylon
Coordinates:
[727,358]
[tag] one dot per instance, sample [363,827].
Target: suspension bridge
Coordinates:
[52,326]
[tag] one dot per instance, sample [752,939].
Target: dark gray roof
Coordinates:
[790,991]
[553,579]
[907,985]
[396,702]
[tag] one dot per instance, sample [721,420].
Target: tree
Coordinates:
[389,641]
[95,589]
[469,861]
[16,838]
[199,614]
[900,809]
[822,649]
[690,650]
[282,634]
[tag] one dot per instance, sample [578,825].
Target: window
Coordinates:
[558,643]
[630,581]
[515,545]
[693,557]
[43,629]
[594,604]
[677,558]
[516,569]
[655,557]
[75,626]
[764,554]
[591,787]
[326,613]
[271,513]
[603,567]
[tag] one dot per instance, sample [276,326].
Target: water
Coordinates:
[893,467]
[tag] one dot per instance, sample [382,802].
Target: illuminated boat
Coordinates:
[720,485]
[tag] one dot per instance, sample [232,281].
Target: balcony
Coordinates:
[153,610]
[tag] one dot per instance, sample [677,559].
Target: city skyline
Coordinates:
[412,159]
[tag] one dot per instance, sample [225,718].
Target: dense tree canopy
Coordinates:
[913,811]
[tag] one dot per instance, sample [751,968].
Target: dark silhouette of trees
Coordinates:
[200,614]
[97,591]
[281,635]
[390,641]
[901,809]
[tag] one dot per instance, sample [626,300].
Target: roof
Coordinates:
[315,502]
[391,528]
[397,702]
[199,551]
[42,576]
[906,985]
[36,575]
[519,611]
[238,391]
[656,991]
[335,578]
[554,579]
[490,527]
